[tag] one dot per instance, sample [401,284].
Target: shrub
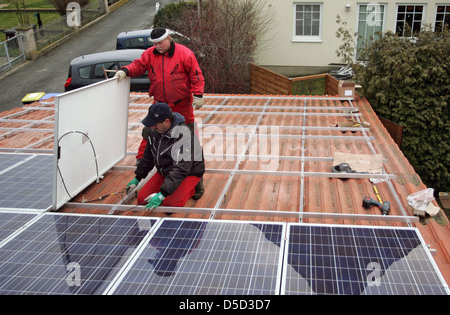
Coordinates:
[407,80]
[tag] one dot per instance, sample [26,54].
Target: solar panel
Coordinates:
[10,222]
[26,181]
[69,254]
[359,260]
[207,257]
[10,159]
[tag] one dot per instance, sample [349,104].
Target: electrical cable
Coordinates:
[93,150]
[103,197]
[96,167]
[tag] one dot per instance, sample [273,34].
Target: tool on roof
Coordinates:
[342,168]
[84,200]
[351,124]
[384,207]
[378,195]
[351,121]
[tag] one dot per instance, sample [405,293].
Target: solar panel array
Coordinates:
[69,254]
[26,181]
[58,253]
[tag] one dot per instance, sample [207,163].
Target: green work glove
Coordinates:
[132,185]
[154,200]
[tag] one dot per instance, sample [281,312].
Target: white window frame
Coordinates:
[435,13]
[383,21]
[307,38]
[424,13]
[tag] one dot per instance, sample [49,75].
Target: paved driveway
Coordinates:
[48,72]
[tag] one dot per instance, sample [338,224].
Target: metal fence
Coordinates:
[11,53]
[56,30]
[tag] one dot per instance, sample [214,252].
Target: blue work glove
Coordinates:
[154,200]
[132,185]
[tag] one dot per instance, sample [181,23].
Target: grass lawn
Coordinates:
[9,19]
[30,4]
[309,87]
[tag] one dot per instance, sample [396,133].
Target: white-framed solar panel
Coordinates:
[90,135]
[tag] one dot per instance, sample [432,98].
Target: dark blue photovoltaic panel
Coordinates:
[358,260]
[10,222]
[69,254]
[28,185]
[207,257]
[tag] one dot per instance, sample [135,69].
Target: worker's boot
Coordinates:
[199,190]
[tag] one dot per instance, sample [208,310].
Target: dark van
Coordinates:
[88,69]
[140,39]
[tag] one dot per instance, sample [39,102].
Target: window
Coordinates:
[442,18]
[85,72]
[135,43]
[370,23]
[307,23]
[100,74]
[126,63]
[409,19]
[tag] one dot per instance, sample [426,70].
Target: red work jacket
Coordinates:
[174,77]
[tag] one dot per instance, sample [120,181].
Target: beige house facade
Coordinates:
[303,41]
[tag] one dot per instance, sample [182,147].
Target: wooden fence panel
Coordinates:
[331,85]
[264,81]
[394,129]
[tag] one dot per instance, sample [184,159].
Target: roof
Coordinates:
[283,175]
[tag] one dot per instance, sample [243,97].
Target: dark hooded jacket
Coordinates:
[176,154]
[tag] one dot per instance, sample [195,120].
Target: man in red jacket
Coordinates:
[175,79]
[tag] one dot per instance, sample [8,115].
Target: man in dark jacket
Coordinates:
[177,155]
[175,78]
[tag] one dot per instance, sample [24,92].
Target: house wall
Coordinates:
[280,52]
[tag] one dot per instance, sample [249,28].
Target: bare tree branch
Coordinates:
[225,35]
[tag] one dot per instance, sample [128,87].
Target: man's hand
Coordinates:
[132,185]
[121,75]
[198,102]
[154,200]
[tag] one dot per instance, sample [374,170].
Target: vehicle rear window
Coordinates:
[100,74]
[126,63]
[85,72]
[137,43]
